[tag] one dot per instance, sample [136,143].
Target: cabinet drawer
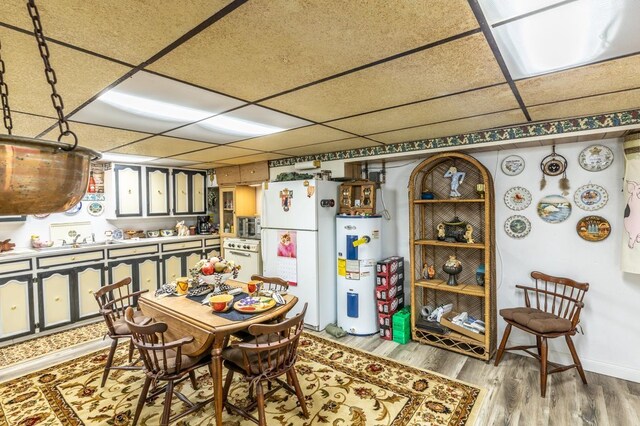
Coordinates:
[15,266]
[228,175]
[132,251]
[186,245]
[254,172]
[47,262]
[210,242]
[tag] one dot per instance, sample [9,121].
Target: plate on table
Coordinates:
[517,198]
[591,197]
[512,165]
[517,226]
[74,210]
[595,158]
[252,305]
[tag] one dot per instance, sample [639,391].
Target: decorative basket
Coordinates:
[216,279]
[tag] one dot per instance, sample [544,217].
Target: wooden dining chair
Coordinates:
[113,299]
[272,283]
[558,303]
[164,361]
[271,354]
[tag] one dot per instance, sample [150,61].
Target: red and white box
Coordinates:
[386,333]
[390,306]
[387,281]
[388,293]
[385,320]
[387,266]
[399,260]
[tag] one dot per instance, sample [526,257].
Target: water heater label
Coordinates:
[375,234]
[342,266]
[353,269]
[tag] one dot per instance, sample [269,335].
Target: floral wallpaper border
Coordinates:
[557,127]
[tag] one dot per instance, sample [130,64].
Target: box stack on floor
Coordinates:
[389,292]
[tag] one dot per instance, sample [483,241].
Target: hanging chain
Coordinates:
[4,95]
[56,99]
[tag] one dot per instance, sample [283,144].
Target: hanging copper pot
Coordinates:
[38,176]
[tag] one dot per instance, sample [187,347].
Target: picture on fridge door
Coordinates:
[287,244]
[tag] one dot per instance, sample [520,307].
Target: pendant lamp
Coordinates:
[39,176]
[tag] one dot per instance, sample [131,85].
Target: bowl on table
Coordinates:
[216,278]
[221,302]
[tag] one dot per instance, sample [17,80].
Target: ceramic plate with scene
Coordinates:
[554,208]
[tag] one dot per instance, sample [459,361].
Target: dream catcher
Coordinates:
[554,165]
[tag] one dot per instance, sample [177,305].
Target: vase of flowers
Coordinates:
[214,271]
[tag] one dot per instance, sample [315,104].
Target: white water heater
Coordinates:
[359,247]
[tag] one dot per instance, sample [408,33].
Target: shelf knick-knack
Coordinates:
[452,267]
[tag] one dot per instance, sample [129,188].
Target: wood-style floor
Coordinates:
[513,396]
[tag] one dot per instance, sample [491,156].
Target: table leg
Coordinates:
[216,371]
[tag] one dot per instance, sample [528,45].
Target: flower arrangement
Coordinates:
[214,271]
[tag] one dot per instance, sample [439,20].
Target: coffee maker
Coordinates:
[204,226]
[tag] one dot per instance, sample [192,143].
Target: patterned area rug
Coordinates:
[342,386]
[41,346]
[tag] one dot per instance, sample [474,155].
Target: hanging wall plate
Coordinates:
[595,158]
[74,210]
[95,208]
[517,226]
[517,198]
[593,228]
[590,197]
[554,208]
[512,165]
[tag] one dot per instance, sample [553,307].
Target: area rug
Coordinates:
[40,346]
[343,386]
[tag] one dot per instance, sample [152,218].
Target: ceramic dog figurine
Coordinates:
[182,229]
[6,245]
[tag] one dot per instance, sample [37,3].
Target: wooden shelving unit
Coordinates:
[478,300]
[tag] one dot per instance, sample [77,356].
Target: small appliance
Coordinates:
[204,227]
[249,227]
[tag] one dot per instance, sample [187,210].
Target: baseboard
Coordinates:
[620,372]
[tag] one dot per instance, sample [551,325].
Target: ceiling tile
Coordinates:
[280,44]
[451,128]
[352,143]
[98,137]
[449,108]
[229,127]
[130,31]
[451,67]
[620,101]
[29,125]
[584,81]
[170,162]
[162,146]
[293,138]
[112,157]
[80,75]
[255,157]
[138,104]
[210,165]
[219,153]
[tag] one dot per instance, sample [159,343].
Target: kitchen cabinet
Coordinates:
[431,242]
[157,191]
[198,192]
[189,192]
[88,280]
[244,174]
[128,182]
[141,263]
[228,175]
[16,307]
[54,298]
[235,201]
[178,264]
[212,247]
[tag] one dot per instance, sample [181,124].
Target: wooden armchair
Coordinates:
[272,283]
[271,354]
[164,361]
[113,299]
[558,302]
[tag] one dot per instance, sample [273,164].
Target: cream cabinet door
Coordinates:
[128,190]
[180,192]
[55,299]
[213,253]
[172,267]
[192,259]
[89,280]
[157,191]
[148,274]
[198,196]
[119,271]
[15,307]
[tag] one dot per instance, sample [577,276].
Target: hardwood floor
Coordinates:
[513,396]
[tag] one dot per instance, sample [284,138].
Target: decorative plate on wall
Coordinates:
[74,210]
[554,208]
[517,226]
[517,198]
[95,208]
[593,228]
[595,158]
[512,165]
[590,197]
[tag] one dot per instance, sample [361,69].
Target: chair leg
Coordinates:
[262,421]
[131,349]
[538,343]
[192,377]
[225,389]
[141,400]
[543,366]
[166,413]
[112,352]
[576,360]
[291,374]
[503,344]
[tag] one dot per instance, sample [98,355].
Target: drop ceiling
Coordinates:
[312,76]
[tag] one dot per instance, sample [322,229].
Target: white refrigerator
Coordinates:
[299,241]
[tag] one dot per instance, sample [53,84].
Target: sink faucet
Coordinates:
[75,241]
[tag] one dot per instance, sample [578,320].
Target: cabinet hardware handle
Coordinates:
[183,191]
[14,307]
[159,192]
[57,299]
[129,191]
[148,280]
[90,291]
[73,258]
[135,251]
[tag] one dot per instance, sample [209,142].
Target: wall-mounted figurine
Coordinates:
[456,179]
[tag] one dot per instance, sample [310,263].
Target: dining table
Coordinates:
[210,330]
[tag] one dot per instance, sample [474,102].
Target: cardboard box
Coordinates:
[384,320]
[388,280]
[388,265]
[386,333]
[388,293]
[390,306]
[446,321]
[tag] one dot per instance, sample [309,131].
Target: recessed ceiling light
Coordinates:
[237,126]
[152,108]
